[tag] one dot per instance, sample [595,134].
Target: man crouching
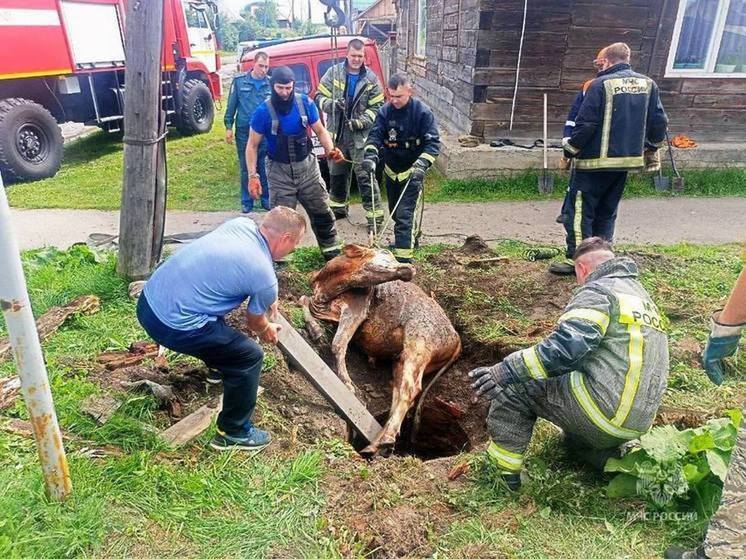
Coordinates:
[184,303]
[600,375]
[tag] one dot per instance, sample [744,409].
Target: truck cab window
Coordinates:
[302,78]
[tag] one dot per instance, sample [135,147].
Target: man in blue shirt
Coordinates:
[284,120]
[183,305]
[248,91]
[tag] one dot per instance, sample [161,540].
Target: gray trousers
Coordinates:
[290,183]
[339,188]
[726,535]
[513,413]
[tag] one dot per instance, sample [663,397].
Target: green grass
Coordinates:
[151,502]
[203,175]
[523,186]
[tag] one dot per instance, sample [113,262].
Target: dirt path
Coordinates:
[641,220]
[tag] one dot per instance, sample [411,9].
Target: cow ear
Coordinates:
[353,251]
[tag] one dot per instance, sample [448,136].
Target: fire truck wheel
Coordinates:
[30,140]
[197,109]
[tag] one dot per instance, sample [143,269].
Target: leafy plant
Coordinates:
[675,470]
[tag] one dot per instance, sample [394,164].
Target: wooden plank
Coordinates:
[48,323]
[303,356]
[193,425]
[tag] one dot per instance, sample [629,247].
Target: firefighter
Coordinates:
[351,95]
[572,114]
[725,538]
[599,376]
[619,119]
[248,91]
[406,136]
[292,169]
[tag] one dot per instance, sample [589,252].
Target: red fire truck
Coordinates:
[63,61]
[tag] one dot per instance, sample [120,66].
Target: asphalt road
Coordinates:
[641,220]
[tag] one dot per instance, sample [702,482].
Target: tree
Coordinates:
[266,14]
[227,33]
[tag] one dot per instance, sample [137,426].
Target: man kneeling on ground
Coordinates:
[183,307]
[599,376]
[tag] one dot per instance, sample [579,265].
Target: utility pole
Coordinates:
[144,188]
[32,372]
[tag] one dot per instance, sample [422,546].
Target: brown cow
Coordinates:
[367,292]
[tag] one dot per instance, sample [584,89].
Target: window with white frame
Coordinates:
[709,40]
[421,38]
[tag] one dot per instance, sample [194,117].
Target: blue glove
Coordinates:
[489,381]
[722,343]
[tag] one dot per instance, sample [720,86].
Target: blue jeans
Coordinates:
[247,202]
[235,355]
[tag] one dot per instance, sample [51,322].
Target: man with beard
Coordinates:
[292,169]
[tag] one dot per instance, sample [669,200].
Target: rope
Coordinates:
[518,64]
[393,212]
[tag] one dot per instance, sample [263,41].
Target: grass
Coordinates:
[203,175]
[151,502]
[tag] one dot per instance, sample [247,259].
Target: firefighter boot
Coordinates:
[566,268]
[338,195]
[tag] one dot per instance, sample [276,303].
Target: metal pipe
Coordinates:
[32,371]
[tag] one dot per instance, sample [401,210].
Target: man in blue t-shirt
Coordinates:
[183,305]
[248,91]
[292,169]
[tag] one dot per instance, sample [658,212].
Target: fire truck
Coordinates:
[63,61]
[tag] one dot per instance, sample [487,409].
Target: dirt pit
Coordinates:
[496,307]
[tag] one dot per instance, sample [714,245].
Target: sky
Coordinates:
[283,6]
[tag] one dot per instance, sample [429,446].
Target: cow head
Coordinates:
[358,267]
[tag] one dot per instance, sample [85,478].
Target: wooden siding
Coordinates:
[562,38]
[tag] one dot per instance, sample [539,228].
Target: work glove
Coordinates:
[336,155]
[341,104]
[418,171]
[368,165]
[355,124]
[255,187]
[722,343]
[568,151]
[652,161]
[489,381]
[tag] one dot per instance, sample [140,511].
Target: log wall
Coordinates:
[468,75]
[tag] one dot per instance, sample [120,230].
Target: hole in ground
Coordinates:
[440,433]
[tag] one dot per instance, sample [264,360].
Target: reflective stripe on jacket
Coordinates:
[620,116]
[367,99]
[611,339]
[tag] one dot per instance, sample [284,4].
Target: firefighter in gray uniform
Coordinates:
[599,375]
[350,95]
[726,534]
[292,169]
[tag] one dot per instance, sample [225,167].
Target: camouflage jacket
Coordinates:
[366,101]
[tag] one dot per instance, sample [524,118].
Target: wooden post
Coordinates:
[143,194]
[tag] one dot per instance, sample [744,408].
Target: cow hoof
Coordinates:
[383,450]
[369,451]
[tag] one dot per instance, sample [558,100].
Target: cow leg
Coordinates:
[352,314]
[313,327]
[408,373]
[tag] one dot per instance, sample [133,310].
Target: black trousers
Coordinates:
[235,355]
[407,217]
[590,206]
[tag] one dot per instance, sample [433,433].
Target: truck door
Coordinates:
[202,43]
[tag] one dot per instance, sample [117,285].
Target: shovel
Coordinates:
[546,181]
[678,181]
[662,183]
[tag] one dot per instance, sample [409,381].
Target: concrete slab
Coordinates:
[483,161]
